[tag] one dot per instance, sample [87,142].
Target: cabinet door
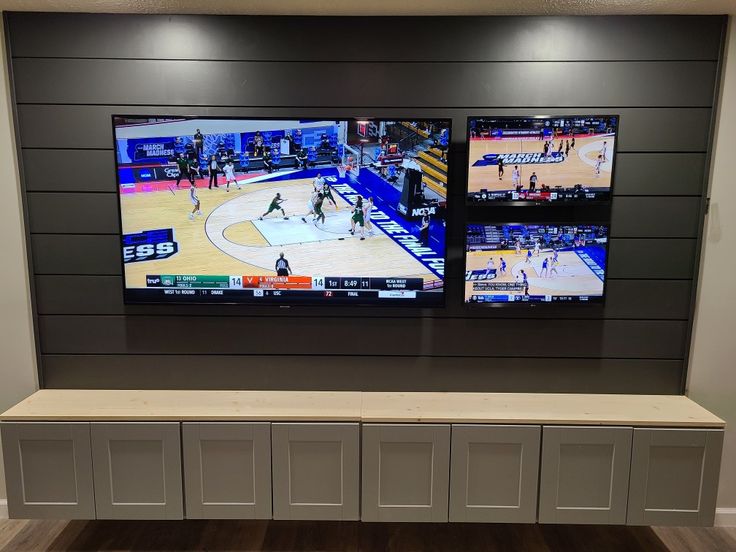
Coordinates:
[674,476]
[406,472]
[494,472]
[48,470]
[584,475]
[227,470]
[137,470]
[315,471]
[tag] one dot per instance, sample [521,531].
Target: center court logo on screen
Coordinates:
[149,245]
[537,158]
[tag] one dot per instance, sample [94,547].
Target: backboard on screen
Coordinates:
[535,263]
[550,160]
[287,212]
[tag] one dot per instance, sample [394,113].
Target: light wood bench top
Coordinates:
[326,406]
[112,405]
[538,408]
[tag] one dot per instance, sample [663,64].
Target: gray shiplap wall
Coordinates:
[72,71]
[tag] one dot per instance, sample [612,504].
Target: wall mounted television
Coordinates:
[282,211]
[535,263]
[541,160]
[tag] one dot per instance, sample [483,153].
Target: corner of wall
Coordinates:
[711,379]
[18,369]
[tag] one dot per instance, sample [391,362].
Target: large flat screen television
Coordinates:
[282,211]
[535,263]
[541,160]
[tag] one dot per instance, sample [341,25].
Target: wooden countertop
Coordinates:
[538,408]
[115,405]
[341,406]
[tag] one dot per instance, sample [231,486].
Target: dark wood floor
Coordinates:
[281,536]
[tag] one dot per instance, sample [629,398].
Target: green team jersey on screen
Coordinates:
[358,216]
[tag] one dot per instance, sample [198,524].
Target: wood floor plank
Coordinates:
[697,539]
[304,536]
[9,529]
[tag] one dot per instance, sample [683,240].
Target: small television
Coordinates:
[541,160]
[282,211]
[535,263]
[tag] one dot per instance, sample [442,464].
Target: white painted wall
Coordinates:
[712,376]
[17,364]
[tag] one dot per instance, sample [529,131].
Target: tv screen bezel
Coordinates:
[342,302]
[597,304]
[528,203]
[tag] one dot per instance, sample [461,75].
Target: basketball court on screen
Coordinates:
[573,276]
[229,239]
[578,167]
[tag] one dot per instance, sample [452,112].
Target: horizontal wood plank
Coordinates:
[453,38]
[412,85]
[384,336]
[642,299]
[90,126]
[382,373]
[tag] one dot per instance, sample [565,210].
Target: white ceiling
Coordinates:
[381,7]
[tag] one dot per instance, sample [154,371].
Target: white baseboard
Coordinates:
[3,508]
[725,517]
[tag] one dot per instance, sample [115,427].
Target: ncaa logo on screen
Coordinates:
[422,211]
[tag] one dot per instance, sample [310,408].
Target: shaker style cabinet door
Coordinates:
[48,470]
[585,475]
[227,470]
[494,473]
[137,470]
[316,469]
[406,472]
[674,476]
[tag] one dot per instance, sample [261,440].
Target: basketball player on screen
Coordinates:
[318,183]
[195,201]
[229,170]
[516,178]
[598,163]
[327,194]
[367,211]
[318,214]
[490,268]
[184,170]
[357,218]
[275,206]
[310,206]
[500,168]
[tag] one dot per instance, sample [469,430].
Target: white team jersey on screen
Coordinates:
[193,196]
[516,175]
[367,210]
[318,183]
[312,200]
[229,172]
